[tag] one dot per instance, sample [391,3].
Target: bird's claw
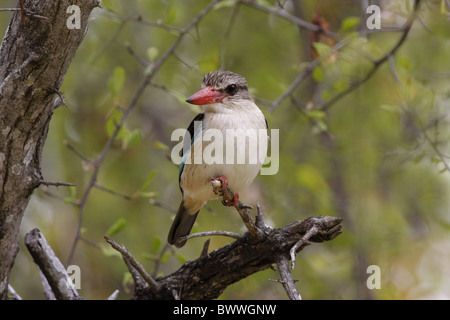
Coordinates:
[219,184]
[233,202]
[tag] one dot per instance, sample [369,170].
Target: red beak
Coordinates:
[206,96]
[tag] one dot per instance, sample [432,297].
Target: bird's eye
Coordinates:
[231,89]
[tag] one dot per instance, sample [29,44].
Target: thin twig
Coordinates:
[287,280]
[393,71]
[9,9]
[77,153]
[155,286]
[157,24]
[159,259]
[282,13]
[138,58]
[205,248]
[60,284]
[14,295]
[212,233]
[301,242]
[124,196]
[113,295]
[57,184]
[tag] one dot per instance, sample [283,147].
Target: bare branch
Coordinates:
[14,295]
[287,280]
[113,295]
[302,242]
[115,193]
[53,270]
[211,233]
[154,286]
[209,275]
[282,13]
[57,184]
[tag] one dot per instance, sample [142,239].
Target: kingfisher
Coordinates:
[227,107]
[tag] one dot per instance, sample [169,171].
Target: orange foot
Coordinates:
[220,191]
[233,202]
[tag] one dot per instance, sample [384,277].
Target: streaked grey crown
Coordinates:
[229,82]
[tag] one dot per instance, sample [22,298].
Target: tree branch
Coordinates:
[377,63]
[286,279]
[53,270]
[209,275]
[154,286]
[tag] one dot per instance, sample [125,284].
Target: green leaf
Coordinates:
[171,15]
[322,49]
[149,179]
[152,53]
[350,23]
[166,256]
[108,5]
[109,251]
[156,244]
[160,145]
[181,258]
[116,227]
[116,81]
[207,65]
[135,137]
[113,120]
[264,3]
[436,160]
[405,63]
[340,86]
[148,256]
[318,74]
[148,70]
[127,278]
[225,4]
[150,194]
[391,108]
[326,95]
[321,126]
[316,114]
[72,197]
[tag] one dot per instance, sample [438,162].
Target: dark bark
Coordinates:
[34,58]
[208,276]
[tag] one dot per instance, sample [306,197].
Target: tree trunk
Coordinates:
[34,57]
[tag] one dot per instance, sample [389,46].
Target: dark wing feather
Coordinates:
[189,140]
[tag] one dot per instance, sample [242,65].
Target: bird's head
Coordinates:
[225,87]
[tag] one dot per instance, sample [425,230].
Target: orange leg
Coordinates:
[220,191]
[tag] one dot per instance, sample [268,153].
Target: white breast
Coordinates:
[195,179]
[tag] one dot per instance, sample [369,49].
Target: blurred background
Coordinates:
[378,156]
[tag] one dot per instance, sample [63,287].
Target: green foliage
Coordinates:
[116,81]
[350,23]
[118,226]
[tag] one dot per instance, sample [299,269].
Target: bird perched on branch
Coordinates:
[229,113]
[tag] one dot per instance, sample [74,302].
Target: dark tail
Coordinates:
[181,226]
